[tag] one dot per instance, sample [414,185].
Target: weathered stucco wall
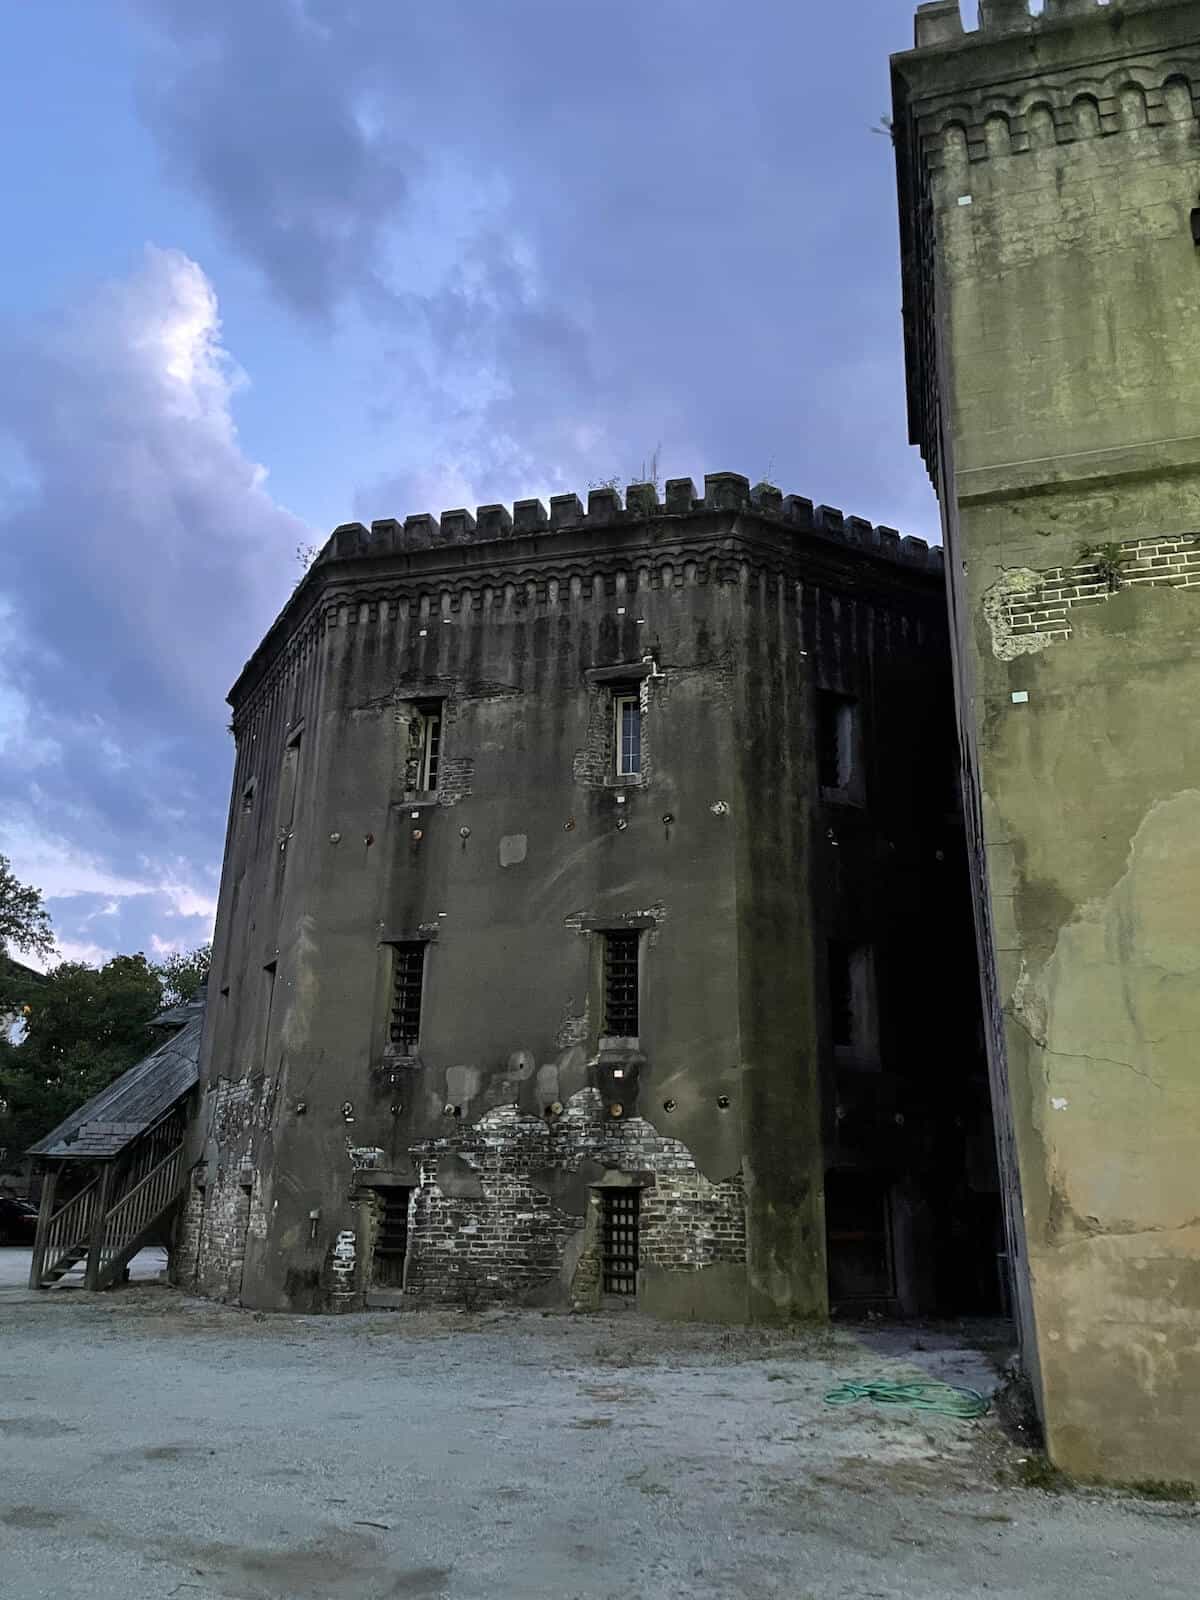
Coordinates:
[1050,286]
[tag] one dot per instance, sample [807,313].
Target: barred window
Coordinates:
[620,1240]
[407,981]
[621,983]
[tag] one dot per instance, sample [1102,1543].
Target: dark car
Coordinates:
[18,1220]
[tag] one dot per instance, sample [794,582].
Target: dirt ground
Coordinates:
[156,1446]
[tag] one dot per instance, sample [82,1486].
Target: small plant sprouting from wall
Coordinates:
[1107,560]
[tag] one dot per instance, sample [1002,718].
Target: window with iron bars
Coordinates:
[619,1241]
[408,972]
[621,983]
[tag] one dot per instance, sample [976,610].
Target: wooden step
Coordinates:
[65,1263]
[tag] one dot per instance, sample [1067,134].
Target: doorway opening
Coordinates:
[391,1237]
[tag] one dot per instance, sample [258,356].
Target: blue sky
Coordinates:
[276,264]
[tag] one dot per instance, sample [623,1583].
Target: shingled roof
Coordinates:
[135,1101]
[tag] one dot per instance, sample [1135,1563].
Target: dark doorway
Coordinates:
[391,1237]
[862,1268]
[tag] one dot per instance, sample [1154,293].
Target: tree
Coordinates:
[84,1026]
[182,975]
[24,923]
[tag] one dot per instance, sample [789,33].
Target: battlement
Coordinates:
[940,22]
[606,511]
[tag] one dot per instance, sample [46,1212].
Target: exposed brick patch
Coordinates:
[511,1240]
[224,1205]
[456,777]
[1037,612]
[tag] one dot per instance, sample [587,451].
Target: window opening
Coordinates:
[841,992]
[269,983]
[430,726]
[391,1238]
[836,726]
[621,984]
[287,794]
[622,1209]
[248,797]
[627,712]
[407,982]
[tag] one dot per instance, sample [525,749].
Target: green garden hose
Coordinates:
[945,1398]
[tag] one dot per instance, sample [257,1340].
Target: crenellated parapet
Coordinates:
[606,511]
[1020,100]
[480,564]
[1058,95]
[940,21]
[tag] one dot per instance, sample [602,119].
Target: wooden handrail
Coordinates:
[136,1210]
[70,1227]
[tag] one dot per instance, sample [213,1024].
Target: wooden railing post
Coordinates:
[45,1212]
[92,1275]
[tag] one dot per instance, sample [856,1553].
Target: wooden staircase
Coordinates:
[118,1213]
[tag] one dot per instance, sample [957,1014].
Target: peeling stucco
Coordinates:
[1014,584]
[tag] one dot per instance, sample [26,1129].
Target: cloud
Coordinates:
[89,954]
[559,236]
[144,559]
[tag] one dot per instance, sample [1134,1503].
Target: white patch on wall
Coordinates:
[364,1157]
[513,849]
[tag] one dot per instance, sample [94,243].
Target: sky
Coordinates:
[279,264]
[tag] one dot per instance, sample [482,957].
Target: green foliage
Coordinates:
[1039,1472]
[24,923]
[1107,559]
[182,975]
[83,1027]
[1176,1489]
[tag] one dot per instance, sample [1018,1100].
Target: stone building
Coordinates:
[595,922]
[1049,175]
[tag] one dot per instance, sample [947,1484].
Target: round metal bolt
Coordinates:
[616,1109]
[723,1101]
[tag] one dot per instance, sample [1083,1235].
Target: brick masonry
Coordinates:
[509,1224]
[224,1203]
[1040,611]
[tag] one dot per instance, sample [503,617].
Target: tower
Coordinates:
[1049,179]
[584,877]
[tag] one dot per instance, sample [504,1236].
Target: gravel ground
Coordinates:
[156,1446]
